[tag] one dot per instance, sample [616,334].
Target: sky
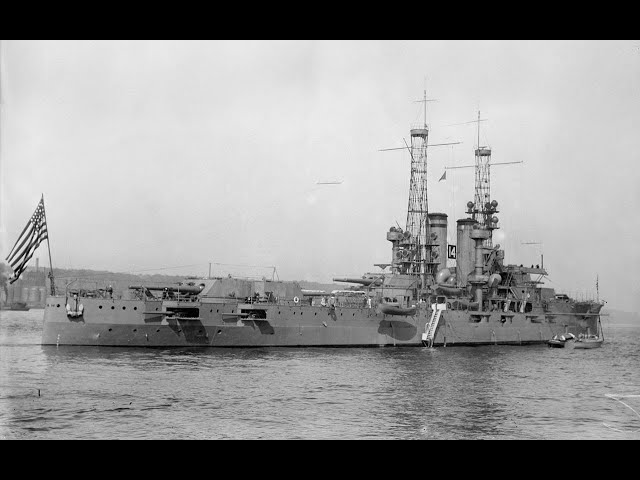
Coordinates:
[169,156]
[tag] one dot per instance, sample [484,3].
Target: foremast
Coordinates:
[413,251]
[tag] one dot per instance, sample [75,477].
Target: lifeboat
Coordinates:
[389,307]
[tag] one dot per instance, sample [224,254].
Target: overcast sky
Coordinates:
[160,154]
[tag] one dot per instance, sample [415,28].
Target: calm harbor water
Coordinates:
[490,392]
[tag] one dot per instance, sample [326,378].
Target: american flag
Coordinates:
[35,231]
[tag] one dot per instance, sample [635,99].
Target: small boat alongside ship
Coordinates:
[589,340]
[582,341]
[559,341]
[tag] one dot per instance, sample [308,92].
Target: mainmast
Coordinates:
[482,209]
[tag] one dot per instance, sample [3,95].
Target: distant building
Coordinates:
[31,287]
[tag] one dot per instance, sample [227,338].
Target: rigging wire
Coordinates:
[165,268]
[242,265]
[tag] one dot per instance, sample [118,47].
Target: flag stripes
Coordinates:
[33,233]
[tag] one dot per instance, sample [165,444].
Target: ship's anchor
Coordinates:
[77,310]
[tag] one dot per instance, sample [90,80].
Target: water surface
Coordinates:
[488,392]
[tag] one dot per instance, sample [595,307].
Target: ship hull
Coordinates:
[136,323]
[494,328]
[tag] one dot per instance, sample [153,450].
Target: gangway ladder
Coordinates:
[431,327]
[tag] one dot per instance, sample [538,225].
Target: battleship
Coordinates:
[415,299]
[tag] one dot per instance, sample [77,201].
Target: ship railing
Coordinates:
[313,302]
[84,288]
[342,302]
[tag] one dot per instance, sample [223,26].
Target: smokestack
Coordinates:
[478,279]
[465,255]
[438,224]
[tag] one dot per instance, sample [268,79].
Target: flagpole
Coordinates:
[44,212]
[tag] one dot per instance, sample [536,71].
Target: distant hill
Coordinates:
[619,316]
[91,279]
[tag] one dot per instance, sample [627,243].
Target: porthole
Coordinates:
[100,307]
[219,332]
[58,305]
[211,311]
[110,329]
[156,309]
[135,330]
[157,330]
[316,313]
[124,308]
[112,307]
[217,311]
[135,308]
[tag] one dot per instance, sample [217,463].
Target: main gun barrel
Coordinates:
[361,281]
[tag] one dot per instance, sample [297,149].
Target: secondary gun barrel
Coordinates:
[315,293]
